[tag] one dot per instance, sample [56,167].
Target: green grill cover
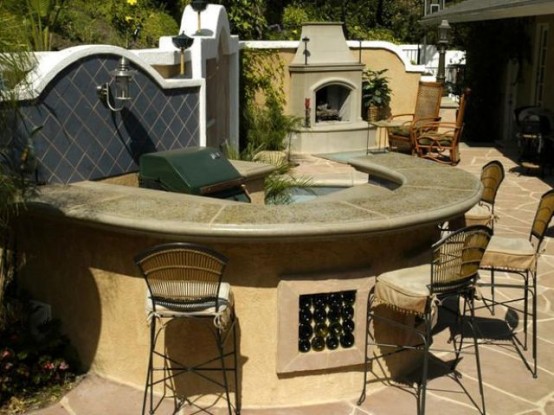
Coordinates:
[194,170]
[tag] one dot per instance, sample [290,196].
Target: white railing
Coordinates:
[428,56]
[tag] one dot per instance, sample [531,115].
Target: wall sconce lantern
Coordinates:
[182,42]
[122,77]
[442,43]
[199,6]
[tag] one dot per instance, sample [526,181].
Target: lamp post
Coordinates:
[442,44]
[306,39]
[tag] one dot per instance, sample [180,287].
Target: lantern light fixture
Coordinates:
[121,77]
[442,44]
[444,32]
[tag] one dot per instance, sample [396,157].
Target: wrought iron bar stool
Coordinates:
[516,255]
[184,281]
[492,175]
[419,292]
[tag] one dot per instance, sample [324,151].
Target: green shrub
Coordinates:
[156,25]
[375,89]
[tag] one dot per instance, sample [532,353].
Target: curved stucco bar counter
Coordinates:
[79,242]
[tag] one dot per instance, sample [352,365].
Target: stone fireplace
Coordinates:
[325,81]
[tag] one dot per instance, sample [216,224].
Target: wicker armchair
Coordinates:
[439,141]
[427,108]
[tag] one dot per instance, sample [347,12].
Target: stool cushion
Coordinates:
[182,307]
[509,253]
[406,289]
[478,215]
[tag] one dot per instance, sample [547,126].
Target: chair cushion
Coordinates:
[510,254]
[173,307]
[401,131]
[443,141]
[478,215]
[406,289]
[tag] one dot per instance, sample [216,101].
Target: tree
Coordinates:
[38,19]
[246,17]
[15,150]
[392,20]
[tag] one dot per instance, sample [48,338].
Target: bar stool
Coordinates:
[519,255]
[419,292]
[492,175]
[184,281]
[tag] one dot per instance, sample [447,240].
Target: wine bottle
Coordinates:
[347,312]
[348,325]
[335,328]
[305,331]
[318,343]
[332,342]
[347,340]
[321,330]
[304,346]
[305,316]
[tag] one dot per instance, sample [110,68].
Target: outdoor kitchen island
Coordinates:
[79,241]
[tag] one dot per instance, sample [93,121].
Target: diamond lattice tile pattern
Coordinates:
[81,139]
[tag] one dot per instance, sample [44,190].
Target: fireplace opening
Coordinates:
[333,103]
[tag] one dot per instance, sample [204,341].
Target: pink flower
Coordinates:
[63,365]
[5,353]
[48,366]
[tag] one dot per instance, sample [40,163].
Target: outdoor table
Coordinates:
[382,135]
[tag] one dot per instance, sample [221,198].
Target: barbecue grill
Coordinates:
[196,170]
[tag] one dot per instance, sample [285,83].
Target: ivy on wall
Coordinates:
[263,122]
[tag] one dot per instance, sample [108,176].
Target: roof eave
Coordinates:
[480,11]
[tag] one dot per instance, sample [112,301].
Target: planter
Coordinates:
[373,113]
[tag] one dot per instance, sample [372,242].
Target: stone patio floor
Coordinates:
[509,386]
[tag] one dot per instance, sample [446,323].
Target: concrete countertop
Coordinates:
[428,193]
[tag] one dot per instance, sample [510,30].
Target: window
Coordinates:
[540,59]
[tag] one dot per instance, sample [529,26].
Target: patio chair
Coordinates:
[439,141]
[516,255]
[419,292]
[184,281]
[492,175]
[400,126]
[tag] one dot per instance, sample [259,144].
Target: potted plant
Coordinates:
[376,93]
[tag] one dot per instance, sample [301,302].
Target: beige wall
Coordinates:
[88,277]
[403,84]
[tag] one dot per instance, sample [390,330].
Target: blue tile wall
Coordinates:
[81,139]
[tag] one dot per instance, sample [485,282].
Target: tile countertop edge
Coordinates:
[68,202]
